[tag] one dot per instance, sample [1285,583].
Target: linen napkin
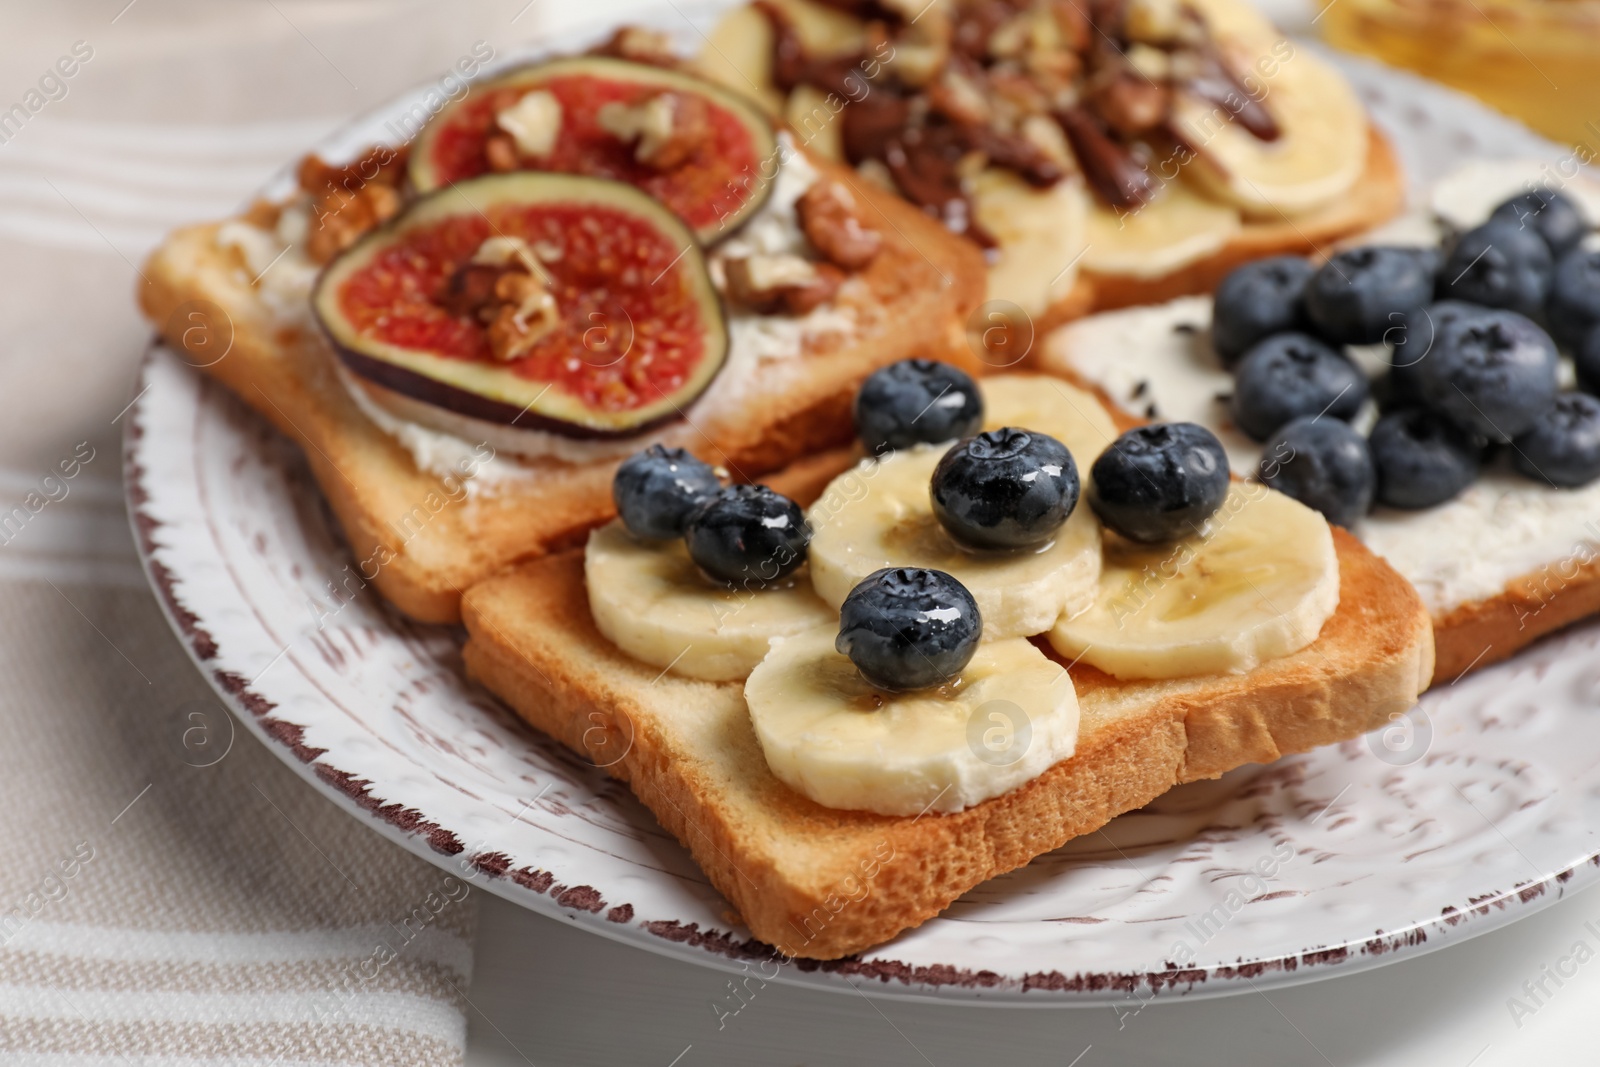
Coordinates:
[169,890]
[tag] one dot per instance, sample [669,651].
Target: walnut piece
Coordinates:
[534,123]
[831,220]
[528,312]
[1132,104]
[505,287]
[348,201]
[782,283]
[666,129]
[641,45]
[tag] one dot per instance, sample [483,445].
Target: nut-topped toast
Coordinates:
[1102,154]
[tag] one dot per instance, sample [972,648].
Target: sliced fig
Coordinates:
[589,120]
[616,322]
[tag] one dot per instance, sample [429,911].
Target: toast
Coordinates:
[974,82]
[422,539]
[1105,354]
[822,883]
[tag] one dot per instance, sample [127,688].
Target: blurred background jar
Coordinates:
[1538,60]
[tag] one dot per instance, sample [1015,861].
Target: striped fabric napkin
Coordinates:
[170,892]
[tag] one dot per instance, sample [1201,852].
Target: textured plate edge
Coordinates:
[727,950]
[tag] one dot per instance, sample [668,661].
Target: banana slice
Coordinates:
[879,515]
[651,602]
[1320,154]
[738,54]
[832,736]
[1049,405]
[1256,584]
[815,118]
[1040,233]
[1176,228]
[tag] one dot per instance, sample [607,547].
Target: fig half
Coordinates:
[710,164]
[630,330]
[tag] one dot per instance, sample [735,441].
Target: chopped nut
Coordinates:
[470,292]
[528,313]
[922,48]
[832,222]
[348,201]
[641,45]
[667,129]
[1131,105]
[770,284]
[501,152]
[1153,21]
[534,123]
[1010,37]
[1044,133]
[1072,23]
[504,251]
[1150,62]
[957,95]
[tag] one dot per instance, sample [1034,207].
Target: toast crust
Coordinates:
[1376,197]
[428,540]
[823,883]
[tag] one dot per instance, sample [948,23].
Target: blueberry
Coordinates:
[1563,447]
[1587,358]
[1574,306]
[1324,464]
[747,534]
[909,628]
[655,490]
[1157,483]
[1421,458]
[1005,489]
[1419,333]
[914,401]
[1256,301]
[1294,374]
[1358,295]
[1499,265]
[1549,213]
[1491,371]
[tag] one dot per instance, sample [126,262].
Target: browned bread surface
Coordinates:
[823,883]
[1488,631]
[429,544]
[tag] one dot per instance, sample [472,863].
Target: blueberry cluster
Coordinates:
[747,535]
[1475,334]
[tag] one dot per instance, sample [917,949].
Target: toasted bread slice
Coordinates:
[1467,635]
[822,883]
[428,540]
[1377,196]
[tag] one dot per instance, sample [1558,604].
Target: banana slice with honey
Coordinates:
[1320,149]
[1257,583]
[649,599]
[1178,227]
[830,734]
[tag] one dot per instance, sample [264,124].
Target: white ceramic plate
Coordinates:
[1478,809]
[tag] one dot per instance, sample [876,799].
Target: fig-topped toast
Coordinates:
[578,258]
